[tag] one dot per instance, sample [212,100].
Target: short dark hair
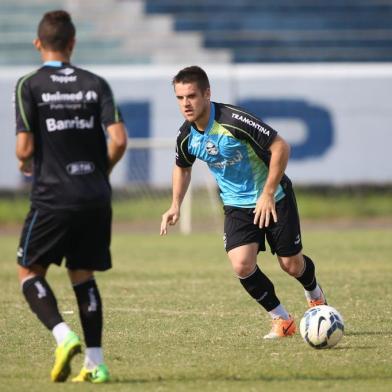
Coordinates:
[56,30]
[192,74]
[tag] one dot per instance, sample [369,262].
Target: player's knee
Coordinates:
[80,276]
[25,273]
[243,269]
[291,265]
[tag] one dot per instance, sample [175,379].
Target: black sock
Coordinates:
[308,277]
[90,312]
[261,289]
[42,301]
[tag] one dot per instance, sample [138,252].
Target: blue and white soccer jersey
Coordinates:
[235,147]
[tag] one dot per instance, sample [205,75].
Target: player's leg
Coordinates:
[89,252]
[39,295]
[243,240]
[302,268]
[41,243]
[90,313]
[285,240]
[260,287]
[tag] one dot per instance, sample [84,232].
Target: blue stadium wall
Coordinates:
[337,118]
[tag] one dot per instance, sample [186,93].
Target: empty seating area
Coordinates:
[287,30]
[18,26]
[207,31]
[108,32]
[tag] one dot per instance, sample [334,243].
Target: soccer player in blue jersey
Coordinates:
[69,137]
[248,160]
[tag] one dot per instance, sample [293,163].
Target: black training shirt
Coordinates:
[67,109]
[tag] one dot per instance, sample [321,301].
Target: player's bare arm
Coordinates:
[181,181]
[265,207]
[117,143]
[25,152]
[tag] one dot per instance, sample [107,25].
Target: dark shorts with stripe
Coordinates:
[82,237]
[283,237]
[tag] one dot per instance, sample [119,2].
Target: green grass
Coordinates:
[344,205]
[148,206]
[177,320]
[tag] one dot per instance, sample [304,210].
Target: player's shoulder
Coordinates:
[184,131]
[86,74]
[26,78]
[233,114]
[183,157]
[240,122]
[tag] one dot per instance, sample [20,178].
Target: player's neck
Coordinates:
[202,122]
[55,56]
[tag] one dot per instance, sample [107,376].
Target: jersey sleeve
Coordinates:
[110,113]
[246,126]
[183,157]
[24,106]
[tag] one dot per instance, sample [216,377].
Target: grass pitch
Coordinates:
[148,205]
[177,320]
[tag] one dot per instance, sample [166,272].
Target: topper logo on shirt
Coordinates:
[65,77]
[66,71]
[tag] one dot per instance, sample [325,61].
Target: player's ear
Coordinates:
[207,93]
[37,43]
[71,45]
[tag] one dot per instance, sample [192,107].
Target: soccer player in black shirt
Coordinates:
[63,117]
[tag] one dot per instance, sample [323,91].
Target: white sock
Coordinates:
[314,294]
[93,358]
[279,312]
[60,331]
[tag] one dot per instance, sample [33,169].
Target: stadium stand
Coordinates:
[18,23]
[108,32]
[286,30]
[207,31]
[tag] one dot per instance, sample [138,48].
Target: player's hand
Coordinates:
[170,217]
[26,167]
[265,207]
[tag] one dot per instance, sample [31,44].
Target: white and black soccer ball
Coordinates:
[322,327]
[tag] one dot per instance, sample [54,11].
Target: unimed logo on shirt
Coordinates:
[62,97]
[73,123]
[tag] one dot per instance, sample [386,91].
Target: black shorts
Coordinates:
[284,236]
[81,236]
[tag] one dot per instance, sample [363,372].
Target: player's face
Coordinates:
[193,103]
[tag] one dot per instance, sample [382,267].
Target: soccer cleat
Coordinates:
[322,300]
[98,375]
[63,356]
[281,328]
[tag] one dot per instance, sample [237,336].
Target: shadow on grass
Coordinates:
[260,378]
[369,333]
[353,348]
